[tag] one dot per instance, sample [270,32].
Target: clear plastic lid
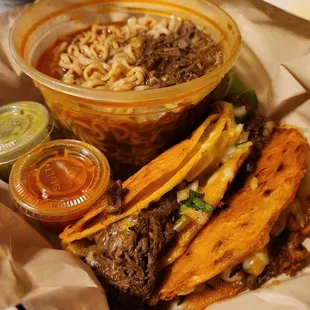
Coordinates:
[60,180]
[23,126]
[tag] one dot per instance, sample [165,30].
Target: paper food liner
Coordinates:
[274,61]
[300,8]
[35,274]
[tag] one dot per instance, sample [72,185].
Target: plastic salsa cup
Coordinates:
[130,127]
[59,182]
[23,127]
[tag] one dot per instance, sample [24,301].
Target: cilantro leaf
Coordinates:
[195,202]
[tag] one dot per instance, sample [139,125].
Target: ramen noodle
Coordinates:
[140,54]
[119,57]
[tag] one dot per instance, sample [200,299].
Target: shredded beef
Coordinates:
[179,56]
[260,130]
[292,257]
[125,255]
[287,256]
[115,195]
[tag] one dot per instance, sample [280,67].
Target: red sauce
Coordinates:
[59,182]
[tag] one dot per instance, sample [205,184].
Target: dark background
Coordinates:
[6,4]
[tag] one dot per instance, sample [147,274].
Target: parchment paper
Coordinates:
[34,274]
[275,61]
[300,8]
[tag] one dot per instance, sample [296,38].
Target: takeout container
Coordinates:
[130,127]
[23,127]
[59,182]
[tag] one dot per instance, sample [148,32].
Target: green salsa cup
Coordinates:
[23,127]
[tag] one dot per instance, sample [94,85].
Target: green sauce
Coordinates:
[23,126]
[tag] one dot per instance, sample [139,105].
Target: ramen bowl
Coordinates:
[130,127]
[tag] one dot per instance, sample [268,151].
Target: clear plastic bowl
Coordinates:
[59,181]
[130,127]
[23,126]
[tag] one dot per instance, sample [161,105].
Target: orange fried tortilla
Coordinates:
[151,182]
[245,226]
[214,191]
[218,289]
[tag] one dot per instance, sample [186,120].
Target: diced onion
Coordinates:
[253,183]
[257,263]
[228,152]
[244,137]
[240,111]
[263,256]
[181,223]
[239,128]
[183,194]
[194,186]
[225,275]
[244,145]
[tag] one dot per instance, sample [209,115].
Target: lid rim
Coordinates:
[31,138]
[54,218]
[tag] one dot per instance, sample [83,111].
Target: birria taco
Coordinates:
[257,237]
[144,226]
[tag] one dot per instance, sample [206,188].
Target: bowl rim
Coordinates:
[141,98]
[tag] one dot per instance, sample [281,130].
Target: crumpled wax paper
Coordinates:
[274,61]
[36,275]
[300,8]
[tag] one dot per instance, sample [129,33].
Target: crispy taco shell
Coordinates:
[214,191]
[218,289]
[245,226]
